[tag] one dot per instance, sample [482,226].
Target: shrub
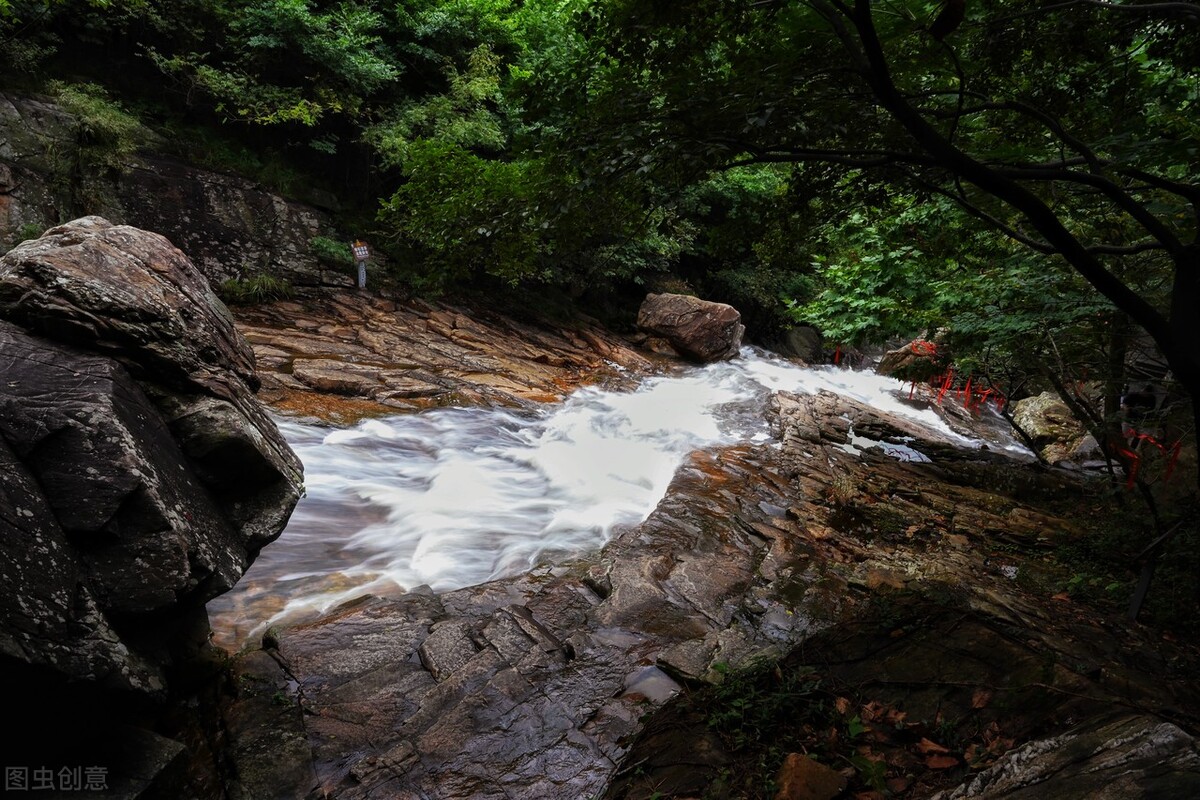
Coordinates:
[108,133]
[331,252]
[261,288]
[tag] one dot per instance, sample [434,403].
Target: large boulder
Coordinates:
[803,342]
[1049,423]
[139,475]
[697,329]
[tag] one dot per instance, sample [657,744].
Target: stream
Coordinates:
[454,497]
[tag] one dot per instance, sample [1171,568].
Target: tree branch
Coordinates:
[1040,216]
[1109,189]
[1186,9]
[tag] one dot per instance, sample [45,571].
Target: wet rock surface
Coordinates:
[939,637]
[538,686]
[341,356]
[1111,757]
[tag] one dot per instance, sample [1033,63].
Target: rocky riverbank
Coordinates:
[912,593]
[340,356]
[916,586]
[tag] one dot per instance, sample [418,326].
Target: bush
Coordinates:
[261,288]
[331,252]
[109,134]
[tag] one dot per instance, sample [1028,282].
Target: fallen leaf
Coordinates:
[941,762]
[1061,597]
[873,711]
[855,727]
[897,785]
[926,747]
[802,777]
[981,698]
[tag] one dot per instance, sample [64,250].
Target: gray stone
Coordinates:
[803,342]
[129,294]
[448,647]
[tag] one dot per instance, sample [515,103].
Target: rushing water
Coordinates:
[454,497]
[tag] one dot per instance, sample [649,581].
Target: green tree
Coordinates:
[1070,128]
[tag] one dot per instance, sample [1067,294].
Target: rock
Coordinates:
[919,360]
[528,687]
[110,472]
[337,377]
[131,295]
[804,778]
[698,329]
[1053,428]
[142,475]
[803,342]
[539,685]
[230,226]
[139,477]
[341,356]
[1085,450]
[1130,755]
[265,734]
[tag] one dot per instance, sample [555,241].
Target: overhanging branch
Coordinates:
[1040,216]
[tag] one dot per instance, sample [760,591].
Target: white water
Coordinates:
[455,497]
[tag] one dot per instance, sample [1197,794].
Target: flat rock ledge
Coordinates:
[340,356]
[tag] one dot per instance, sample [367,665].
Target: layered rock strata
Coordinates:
[341,356]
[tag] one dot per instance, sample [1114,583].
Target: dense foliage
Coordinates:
[1019,174]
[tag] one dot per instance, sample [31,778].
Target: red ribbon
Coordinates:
[923,348]
[1170,452]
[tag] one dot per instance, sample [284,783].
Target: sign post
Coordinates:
[361,254]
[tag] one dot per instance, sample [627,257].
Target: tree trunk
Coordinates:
[1184,354]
